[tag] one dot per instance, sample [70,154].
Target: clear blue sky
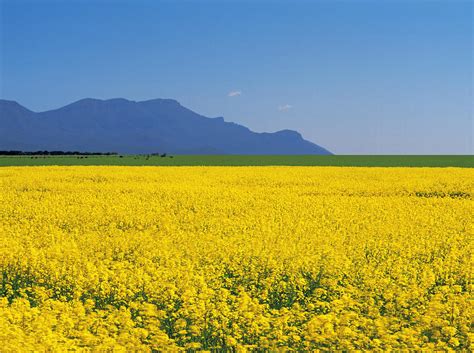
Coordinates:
[357,77]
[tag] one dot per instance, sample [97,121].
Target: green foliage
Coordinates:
[466,161]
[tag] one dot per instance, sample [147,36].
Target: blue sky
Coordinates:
[357,77]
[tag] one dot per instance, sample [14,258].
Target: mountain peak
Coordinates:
[95,101]
[118,100]
[150,126]
[163,101]
[289,133]
[6,101]
[12,105]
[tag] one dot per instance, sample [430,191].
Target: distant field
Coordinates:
[466,161]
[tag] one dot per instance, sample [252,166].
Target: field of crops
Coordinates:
[466,161]
[203,258]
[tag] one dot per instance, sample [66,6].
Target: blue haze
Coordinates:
[361,77]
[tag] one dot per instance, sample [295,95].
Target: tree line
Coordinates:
[55,153]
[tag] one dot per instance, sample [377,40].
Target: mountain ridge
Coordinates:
[149,126]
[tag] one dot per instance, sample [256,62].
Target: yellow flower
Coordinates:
[206,258]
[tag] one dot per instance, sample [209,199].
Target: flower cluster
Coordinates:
[235,258]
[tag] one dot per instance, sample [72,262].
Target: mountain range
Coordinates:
[129,127]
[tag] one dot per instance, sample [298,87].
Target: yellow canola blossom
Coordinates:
[140,259]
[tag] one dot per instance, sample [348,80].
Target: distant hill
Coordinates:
[124,126]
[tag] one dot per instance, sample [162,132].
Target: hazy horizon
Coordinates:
[391,77]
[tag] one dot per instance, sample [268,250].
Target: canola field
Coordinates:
[235,259]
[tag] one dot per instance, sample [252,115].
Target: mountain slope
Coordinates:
[124,126]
